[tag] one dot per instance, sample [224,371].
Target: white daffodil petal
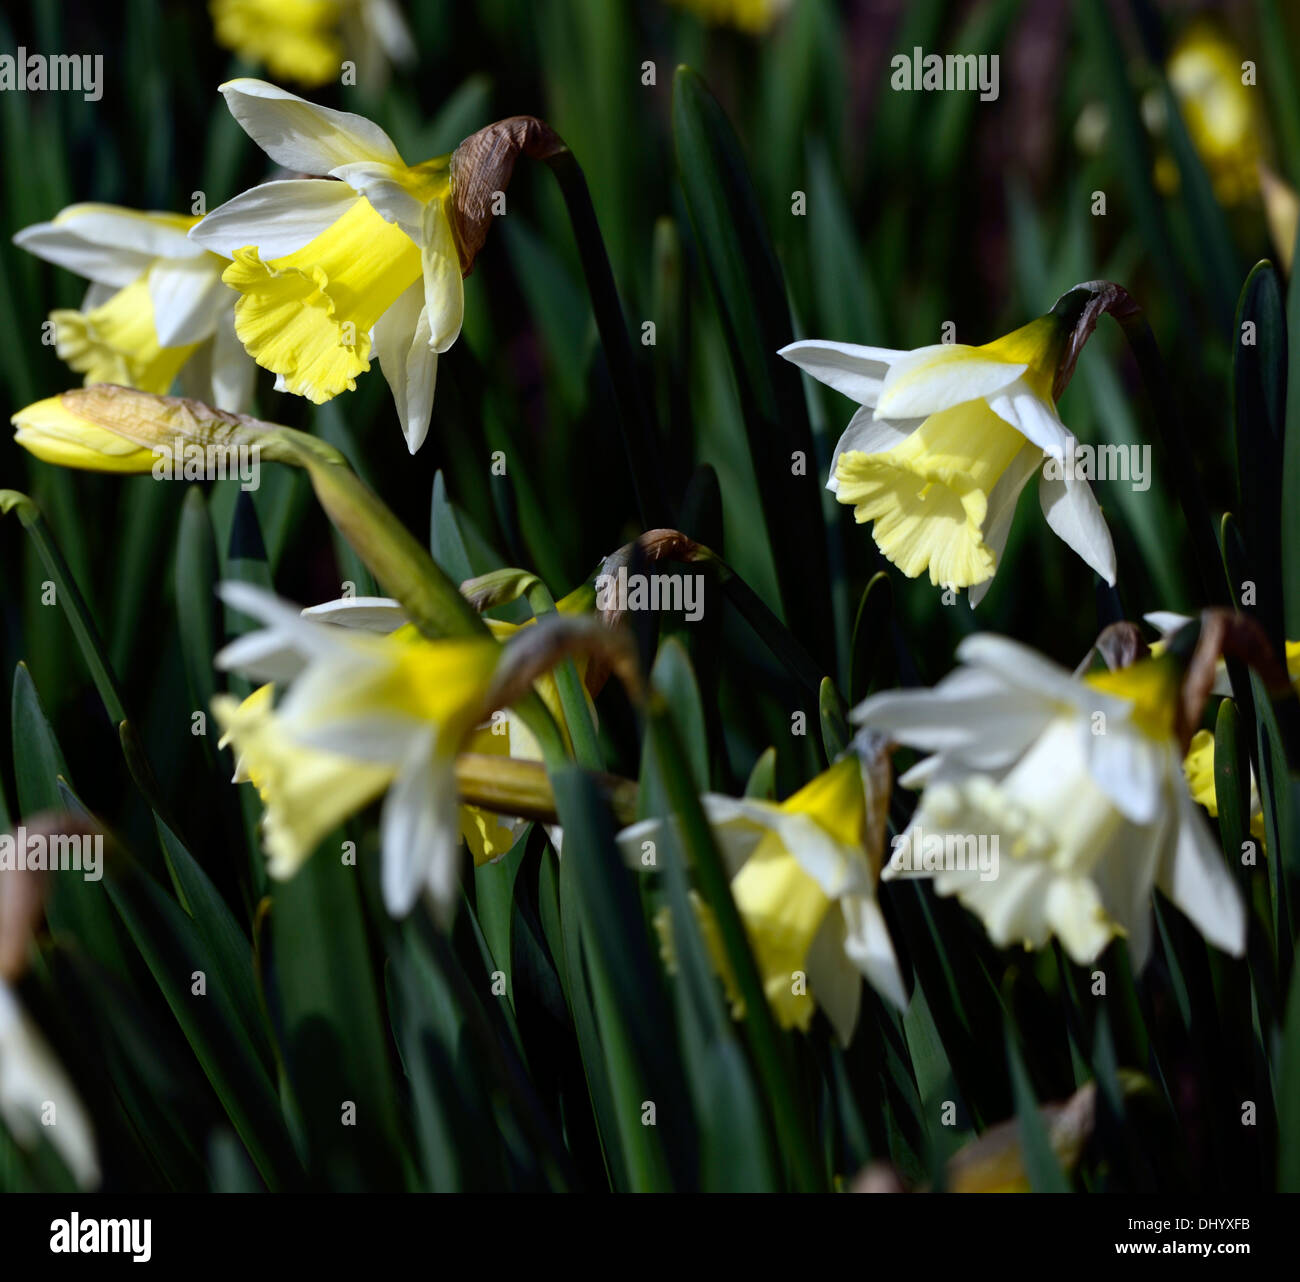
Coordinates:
[732,820]
[234,372]
[381,185]
[979,716]
[868,434]
[302,136]
[932,379]
[98,294]
[1166,621]
[835,983]
[413,833]
[1077,917]
[1195,878]
[1032,417]
[869,947]
[286,632]
[401,342]
[1072,511]
[369,613]
[1002,510]
[388,27]
[65,247]
[444,288]
[857,372]
[1021,668]
[1012,905]
[278,217]
[1128,767]
[188,298]
[157,234]
[1126,875]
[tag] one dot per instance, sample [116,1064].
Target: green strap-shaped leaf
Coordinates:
[751,302]
[1259,390]
[1042,1168]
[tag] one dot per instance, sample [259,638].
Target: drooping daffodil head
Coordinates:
[945,439]
[331,273]
[488,835]
[362,714]
[1072,788]
[805,889]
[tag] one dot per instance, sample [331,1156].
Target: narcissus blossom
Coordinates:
[1081,783]
[752,16]
[1221,111]
[362,715]
[156,309]
[308,40]
[489,835]
[330,273]
[946,439]
[805,887]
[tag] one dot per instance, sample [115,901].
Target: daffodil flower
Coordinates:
[488,835]
[31,1081]
[1198,764]
[946,439]
[306,40]
[751,16]
[1079,780]
[805,889]
[330,272]
[1222,113]
[156,309]
[362,715]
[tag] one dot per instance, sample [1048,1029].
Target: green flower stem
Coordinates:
[634,416]
[577,716]
[400,563]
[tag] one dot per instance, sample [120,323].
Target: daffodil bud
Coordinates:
[497,587]
[106,428]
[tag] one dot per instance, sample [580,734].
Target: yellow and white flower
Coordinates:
[362,715]
[751,16]
[946,439]
[156,309]
[37,1098]
[308,40]
[330,272]
[489,836]
[805,888]
[1222,113]
[1080,781]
